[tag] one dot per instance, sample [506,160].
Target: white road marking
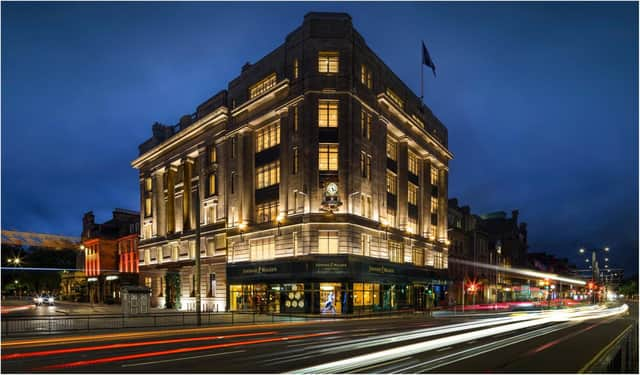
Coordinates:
[181,359]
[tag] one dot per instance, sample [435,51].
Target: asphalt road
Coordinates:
[520,342]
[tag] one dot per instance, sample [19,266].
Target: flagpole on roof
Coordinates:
[421,79]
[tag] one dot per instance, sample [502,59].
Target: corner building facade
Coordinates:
[299,201]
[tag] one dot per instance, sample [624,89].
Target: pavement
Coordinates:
[541,342]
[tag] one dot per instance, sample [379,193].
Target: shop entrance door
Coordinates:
[330,298]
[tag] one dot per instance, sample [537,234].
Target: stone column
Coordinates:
[425,198]
[285,160]
[402,210]
[186,195]
[443,184]
[246,176]
[159,215]
[171,195]
[142,194]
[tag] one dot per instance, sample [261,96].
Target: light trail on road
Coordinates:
[366,360]
[43,353]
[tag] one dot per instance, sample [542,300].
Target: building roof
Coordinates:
[51,241]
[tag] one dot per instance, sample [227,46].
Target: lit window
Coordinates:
[266,212]
[366,206]
[147,184]
[328,114]
[365,76]
[395,98]
[213,155]
[365,125]
[392,150]
[432,231]
[296,69]
[412,225]
[412,192]
[392,183]
[328,157]
[368,168]
[295,162]
[412,163]
[328,242]
[418,256]
[434,176]
[395,251]
[328,62]
[365,244]
[262,86]
[363,164]
[212,184]
[263,249]
[268,175]
[267,137]
[434,205]
[391,216]
[147,206]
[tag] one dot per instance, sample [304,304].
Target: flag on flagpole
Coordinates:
[426,59]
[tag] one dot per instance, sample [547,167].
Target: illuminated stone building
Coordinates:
[298,203]
[110,254]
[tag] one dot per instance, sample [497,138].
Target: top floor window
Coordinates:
[147,184]
[267,137]
[392,149]
[366,76]
[263,86]
[213,154]
[328,113]
[413,163]
[328,61]
[396,99]
[365,124]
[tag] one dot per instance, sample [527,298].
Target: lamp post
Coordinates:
[197,256]
[595,270]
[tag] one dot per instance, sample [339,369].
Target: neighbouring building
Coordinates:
[298,204]
[110,254]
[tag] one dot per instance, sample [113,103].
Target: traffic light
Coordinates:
[590,285]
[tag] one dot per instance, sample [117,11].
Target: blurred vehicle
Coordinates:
[44,299]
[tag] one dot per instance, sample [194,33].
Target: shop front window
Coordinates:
[330,298]
[366,296]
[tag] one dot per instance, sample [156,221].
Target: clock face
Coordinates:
[332,189]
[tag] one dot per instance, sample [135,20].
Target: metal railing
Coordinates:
[620,356]
[51,324]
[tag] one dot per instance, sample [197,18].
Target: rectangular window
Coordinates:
[212,285]
[296,119]
[213,154]
[263,86]
[368,167]
[412,163]
[296,69]
[365,124]
[221,244]
[391,216]
[295,160]
[328,113]
[434,205]
[212,184]
[392,149]
[412,194]
[434,176]
[433,231]
[365,244]
[366,207]
[418,256]
[147,206]
[412,225]
[363,164]
[328,61]
[366,76]
[268,175]
[392,183]
[395,251]
[266,212]
[263,249]
[267,137]
[328,157]
[328,242]
[395,98]
[147,184]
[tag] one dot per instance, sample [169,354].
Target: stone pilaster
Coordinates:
[186,195]
[171,195]
[159,215]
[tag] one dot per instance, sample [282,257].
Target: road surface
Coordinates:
[551,341]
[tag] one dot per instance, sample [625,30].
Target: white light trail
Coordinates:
[349,364]
[519,271]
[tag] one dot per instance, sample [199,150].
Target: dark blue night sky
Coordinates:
[540,99]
